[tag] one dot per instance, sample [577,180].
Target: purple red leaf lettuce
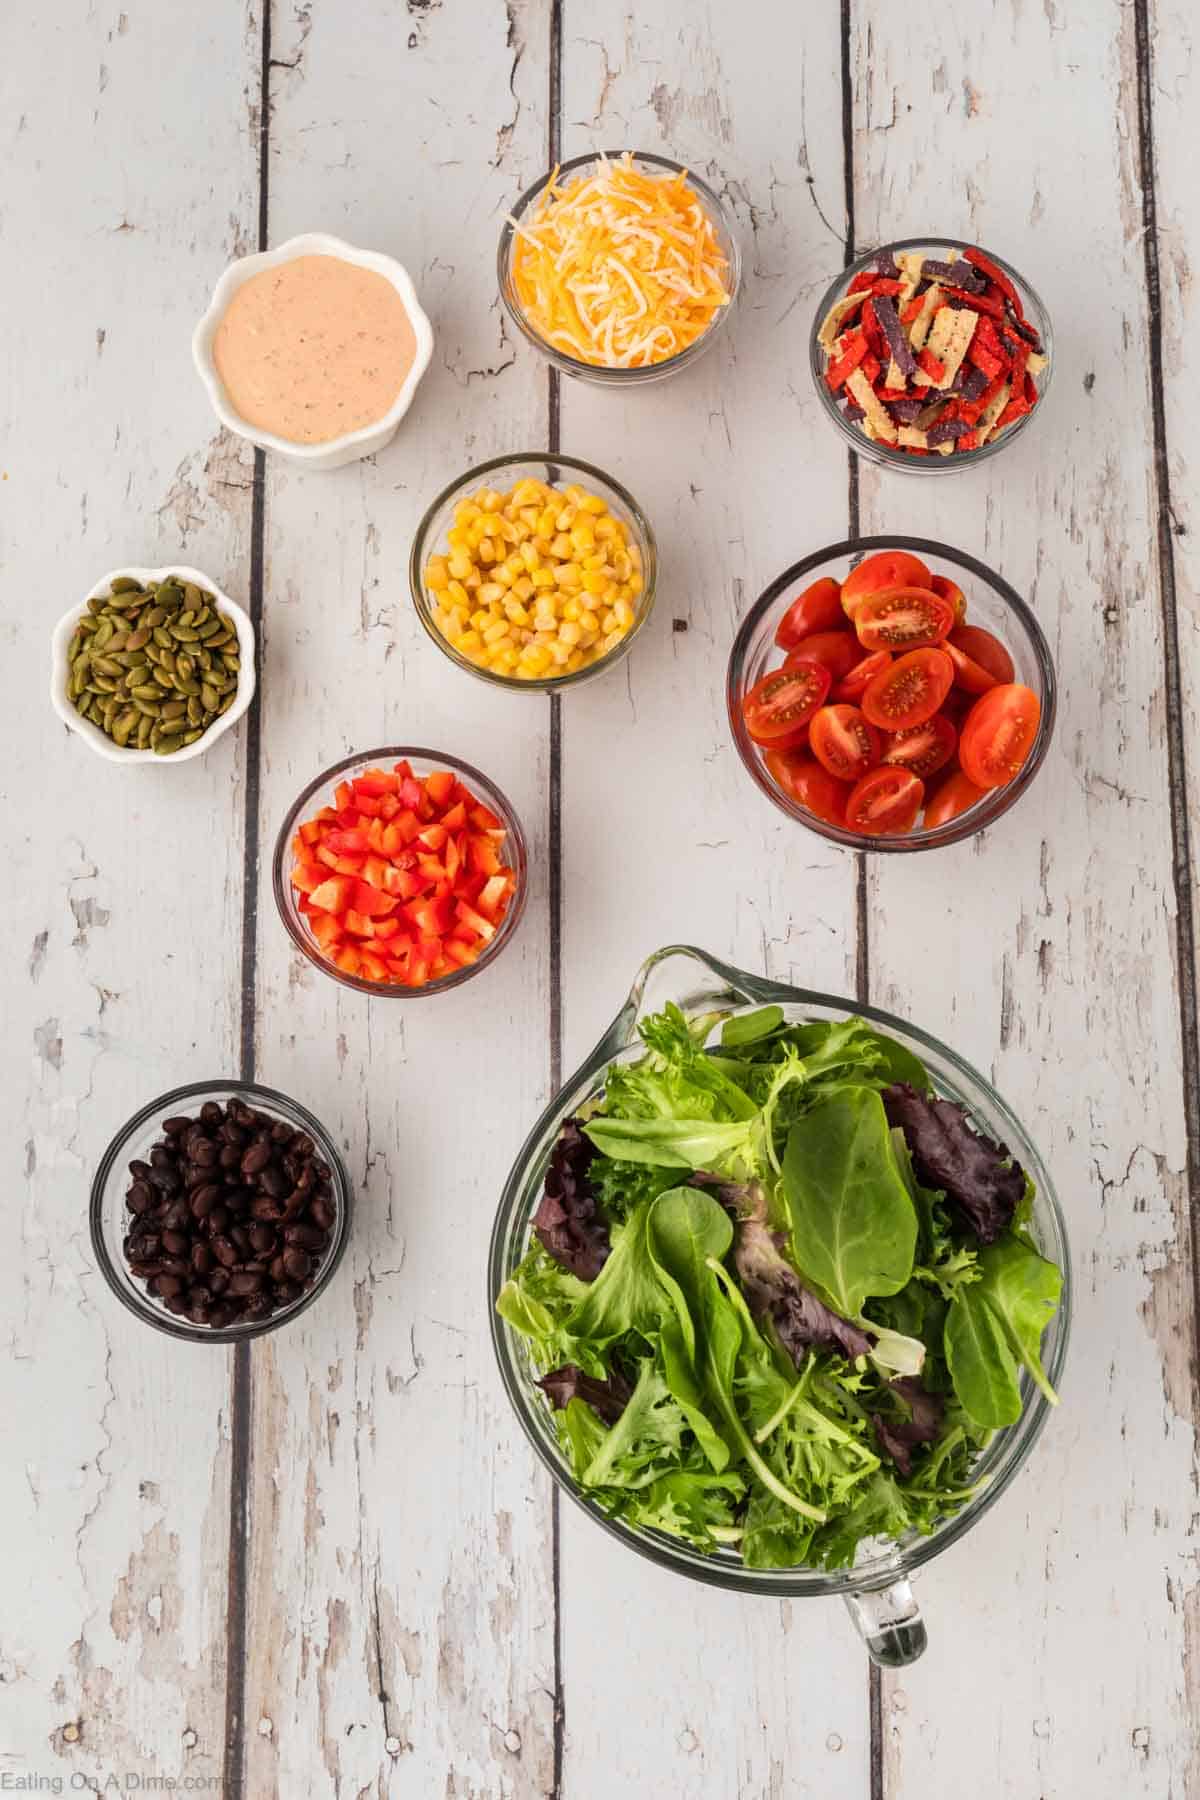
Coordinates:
[982,1182]
[568,1222]
[607,1397]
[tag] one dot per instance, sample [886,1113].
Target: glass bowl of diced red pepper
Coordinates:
[400,871]
[891,694]
[929,354]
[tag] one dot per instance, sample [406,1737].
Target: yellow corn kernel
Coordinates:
[481,618]
[490,593]
[560,546]
[437,575]
[569,633]
[460,566]
[523,589]
[570,609]
[496,634]
[634,586]
[591,564]
[515,613]
[456,537]
[569,575]
[560,653]
[575,661]
[486,550]
[566,518]
[530,557]
[458,593]
[545,623]
[535,656]
[606,530]
[505,661]
[622,567]
[589,621]
[504,574]
[544,578]
[611,640]
[583,537]
[594,582]
[547,519]
[592,503]
[470,640]
[623,613]
[490,501]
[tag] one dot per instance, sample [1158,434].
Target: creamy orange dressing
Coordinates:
[314,348]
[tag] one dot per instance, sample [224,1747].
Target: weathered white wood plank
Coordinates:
[670,1688]
[1058,1630]
[401,1609]
[125,190]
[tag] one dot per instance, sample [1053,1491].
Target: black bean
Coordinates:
[174,1126]
[176,1242]
[273,1181]
[241,1237]
[230,1156]
[321,1213]
[218,1220]
[139,1170]
[204,1199]
[211,1113]
[170,1284]
[218,1280]
[139,1197]
[258,1306]
[256,1157]
[262,1238]
[224,1251]
[245,1281]
[307,1236]
[296,1263]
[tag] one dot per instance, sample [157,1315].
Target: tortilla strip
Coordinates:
[992,411]
[832,323]
[919,330]
[915,439]
[877,415]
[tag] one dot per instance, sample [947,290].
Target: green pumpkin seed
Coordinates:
[174,709]
[145,727]
[166,744]
[187,686]
[104,631]
[184,665]
[184,634]
[193,595]
[209,697]
[147,690]
[226,703]
[163,638]
[125,584]
[122,728]
[137,640]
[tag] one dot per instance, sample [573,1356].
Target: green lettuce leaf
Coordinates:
[994,1327]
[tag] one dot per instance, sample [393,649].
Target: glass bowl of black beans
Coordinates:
[220,1211]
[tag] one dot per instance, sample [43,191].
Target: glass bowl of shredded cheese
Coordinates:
[619,266]
[534,571]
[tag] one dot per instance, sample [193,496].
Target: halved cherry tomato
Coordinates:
[838,650]
[852,686]
[885,803]
[980,660]
[954,796]
[804,780]
[886,569]
[843,742]
[922,748]
[909,691]
[818,608]
[998,734]
[902,619]
[778,706]
[950,590]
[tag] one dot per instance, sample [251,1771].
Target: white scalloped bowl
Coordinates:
[95,739]
[352,444]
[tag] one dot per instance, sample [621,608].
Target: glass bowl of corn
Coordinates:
[534,571]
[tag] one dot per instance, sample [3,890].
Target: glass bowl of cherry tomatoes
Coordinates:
[891,694]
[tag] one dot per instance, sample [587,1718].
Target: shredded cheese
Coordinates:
[619,268]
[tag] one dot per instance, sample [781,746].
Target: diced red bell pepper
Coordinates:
[411,793]
[376,782]
[308,875]
[334,895]
[343,796]
[347,843]
[373,967]
[403,884]
[493,896]
[433,836]
[357,924]
[432,918]
[440,787]
[310,831]
[374,871]
[403,769]
[468,916]
[372,901]
[347,959]
[326,929]
[455,817]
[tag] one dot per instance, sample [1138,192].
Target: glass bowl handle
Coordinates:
[889,1622]
[697,982]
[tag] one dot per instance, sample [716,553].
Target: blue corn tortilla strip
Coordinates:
[853,412]
[905,411]
[944,431]
[960,273]
[974,384]
[885,265]
[893,331]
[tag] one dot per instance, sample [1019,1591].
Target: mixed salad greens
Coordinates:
[780,1292]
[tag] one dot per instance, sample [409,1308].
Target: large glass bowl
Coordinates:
[991,602]
[320,792]
[505,472]
[877,1588]
[722,220]
[109,1216]
[1035,313]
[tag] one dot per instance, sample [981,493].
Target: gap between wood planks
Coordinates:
[1177,776]
[241,1392]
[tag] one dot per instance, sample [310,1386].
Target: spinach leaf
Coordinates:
[995,1325]
[854,1227]
[747,1028]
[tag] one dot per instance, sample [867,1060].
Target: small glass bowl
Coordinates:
[109,1217]
[319,792]
[505,472]
[990,603]
[722,221]
[870,448]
